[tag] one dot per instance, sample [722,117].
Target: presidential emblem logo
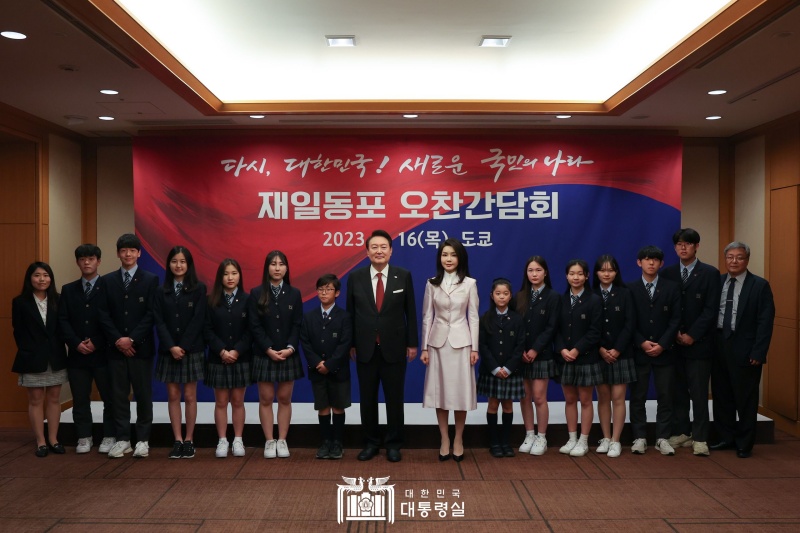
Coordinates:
[353,502]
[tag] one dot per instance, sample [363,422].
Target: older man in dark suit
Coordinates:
[744,331]
[380,300]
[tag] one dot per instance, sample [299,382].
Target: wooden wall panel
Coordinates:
[18,241]
[784,246]
[783,156]
[784,373]
[13,398]
[18,201]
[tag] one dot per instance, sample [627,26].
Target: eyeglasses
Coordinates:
[684,244]
[736,258]
[325,290]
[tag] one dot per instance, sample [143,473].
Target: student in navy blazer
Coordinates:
[326,336]
[384,340]
[129,295]
[275,311]
[82,317]
[657,321]
[179,311]
[695,341]
[41,359]
[743,340]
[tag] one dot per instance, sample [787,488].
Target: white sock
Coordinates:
[530,433]
[237,439]
[542,435]
[584,438]
[573,435]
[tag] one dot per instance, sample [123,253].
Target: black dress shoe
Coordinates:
[722,445]
[496,450]
[508,451]
[458,458]
[41,451]
[444,457]
[58,448]
[743,454]
[393,455]
[367,453]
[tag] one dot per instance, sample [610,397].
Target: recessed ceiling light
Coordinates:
[715,92]
[106,118]
[109,91]
[256,116]
[495,41]
[341,40]
[713,117]
[410,116]
[563,116]
[13,35]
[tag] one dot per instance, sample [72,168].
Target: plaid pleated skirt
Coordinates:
[544,369]
[186,370]
[586,375]
[511,388]
[233,376]
[265,369]
[623,371]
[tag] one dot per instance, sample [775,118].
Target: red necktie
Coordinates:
[379,292]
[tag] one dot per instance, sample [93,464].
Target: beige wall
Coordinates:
[750,200]
[65,207]
[700,198]
[114,200]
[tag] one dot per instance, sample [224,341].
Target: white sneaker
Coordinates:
[614,449]
[639,446]
[663,446]
[142,449]
[222,448]
[603,445]
[120,448]
[84,445]
[269,449]
[580,449]
[681,441]
[283,449]
[565,449]
[238,448]
[107,444]
[539,445]
[527,443]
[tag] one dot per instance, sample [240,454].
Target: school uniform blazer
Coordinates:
[228,329]
[501,340]
[541,322]
[755,314]
[451,316]
[83,317]
[619,319]
[37,344]
[330,341]
[579,327]
[396,322]
[131,312]
[179,321]
[657,320]
[700,297]
[279,327]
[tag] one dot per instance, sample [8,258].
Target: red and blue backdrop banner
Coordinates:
[318,198]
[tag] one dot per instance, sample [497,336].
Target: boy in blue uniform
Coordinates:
[326,336]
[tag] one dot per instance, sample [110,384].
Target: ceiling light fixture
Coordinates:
[495,41]
[716,92]
[340,40]
[106,118]
[109,91]
[713,117]
[256,116]
[563,116]
[13,35]
[410,116]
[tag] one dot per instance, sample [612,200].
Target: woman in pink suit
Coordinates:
[450,325]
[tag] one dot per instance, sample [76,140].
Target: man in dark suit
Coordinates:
[380,300]
[657,304]
[744,331]
[694,352]
[129,296]
[82,316]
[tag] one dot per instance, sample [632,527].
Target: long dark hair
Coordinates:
[462,270]
[585,266]
[601,261]
[28,290]
[189,280]
[215,298]
[263,300]
[524,294]
[488,316]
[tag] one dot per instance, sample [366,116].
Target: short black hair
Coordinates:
[87,250]
[380,233]
[329,279]
[686,235]
[650,252]
[129,240]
